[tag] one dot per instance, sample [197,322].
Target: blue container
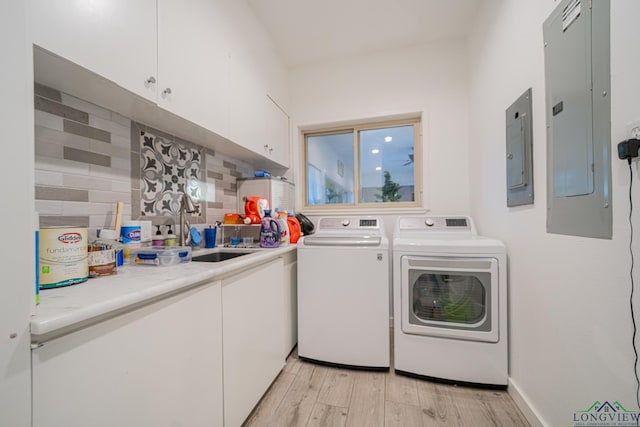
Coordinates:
[131,232]
[210,237]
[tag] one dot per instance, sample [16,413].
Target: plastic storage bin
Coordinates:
[161,256]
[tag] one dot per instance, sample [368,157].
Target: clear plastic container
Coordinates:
[160,256]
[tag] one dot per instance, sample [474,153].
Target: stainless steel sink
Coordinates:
[219,256]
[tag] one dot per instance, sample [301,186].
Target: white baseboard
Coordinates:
[523,404]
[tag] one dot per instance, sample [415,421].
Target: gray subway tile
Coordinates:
[214,205]
[50,121]
[47,149]
[229,165]
[82,105]
[47,92]
[215,175]
[236,173]
[65,194]
[86,131]
[61,110]
[121,120]
[135,166]
[229,192]
[64,221]
[136,195]
[86,157]
[136,131]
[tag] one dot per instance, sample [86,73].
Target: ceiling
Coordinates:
[307,31]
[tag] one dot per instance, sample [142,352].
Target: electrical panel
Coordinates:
[519,131]
[578,115]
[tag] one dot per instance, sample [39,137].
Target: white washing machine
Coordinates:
[343,293]
[450,301]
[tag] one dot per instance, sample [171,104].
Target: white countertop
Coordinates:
[68,308]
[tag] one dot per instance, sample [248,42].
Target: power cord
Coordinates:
[629,149]
[633,318]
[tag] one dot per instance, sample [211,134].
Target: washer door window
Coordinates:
[450,297]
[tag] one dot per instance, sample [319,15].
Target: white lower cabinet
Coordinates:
[158,365]
[253,338]
[290,301]
[162,364]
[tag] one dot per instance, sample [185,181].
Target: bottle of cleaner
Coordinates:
[170,238]
[158,239]
[284,228]
[294,228]
[269,231]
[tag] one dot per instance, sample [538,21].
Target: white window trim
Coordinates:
[415,207]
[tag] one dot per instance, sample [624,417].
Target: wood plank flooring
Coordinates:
[311,395]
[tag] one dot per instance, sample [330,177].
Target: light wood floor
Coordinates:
[307,394]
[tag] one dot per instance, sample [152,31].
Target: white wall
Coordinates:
[17,253]
[430,79]
[570,324]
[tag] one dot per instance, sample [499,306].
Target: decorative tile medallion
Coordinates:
[168,170]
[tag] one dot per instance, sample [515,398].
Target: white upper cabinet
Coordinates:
[245,110]
[256,121]
[277,132]
[193,63]
[116,39]
[206,61]
[256,79]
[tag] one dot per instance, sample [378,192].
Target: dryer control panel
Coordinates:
[436,223]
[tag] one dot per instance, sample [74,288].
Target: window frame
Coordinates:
[416,122]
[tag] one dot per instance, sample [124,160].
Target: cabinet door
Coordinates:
[290,301]
[253,338]
[246,108]
[276,129]
[113,38]
[193,63]
[256,121]
[160,365]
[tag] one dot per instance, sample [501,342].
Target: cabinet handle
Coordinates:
[166,92]
[150,81]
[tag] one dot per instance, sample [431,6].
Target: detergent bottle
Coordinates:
[294,228]
[284,228]
[269,231]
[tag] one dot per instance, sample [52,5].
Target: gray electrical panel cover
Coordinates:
[578,115]
[519,132]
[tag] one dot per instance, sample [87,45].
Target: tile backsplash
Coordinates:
[87,158]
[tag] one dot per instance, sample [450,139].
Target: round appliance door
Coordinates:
[450,297]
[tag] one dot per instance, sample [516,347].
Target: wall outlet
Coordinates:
[633,129]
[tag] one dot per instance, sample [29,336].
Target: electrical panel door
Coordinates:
[578,113]
[519,125]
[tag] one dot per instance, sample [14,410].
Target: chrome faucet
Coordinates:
[186,206]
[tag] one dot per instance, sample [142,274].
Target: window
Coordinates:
[370,165]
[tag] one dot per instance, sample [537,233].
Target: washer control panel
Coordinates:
[349,223]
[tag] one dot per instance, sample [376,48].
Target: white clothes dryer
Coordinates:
[450,301]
